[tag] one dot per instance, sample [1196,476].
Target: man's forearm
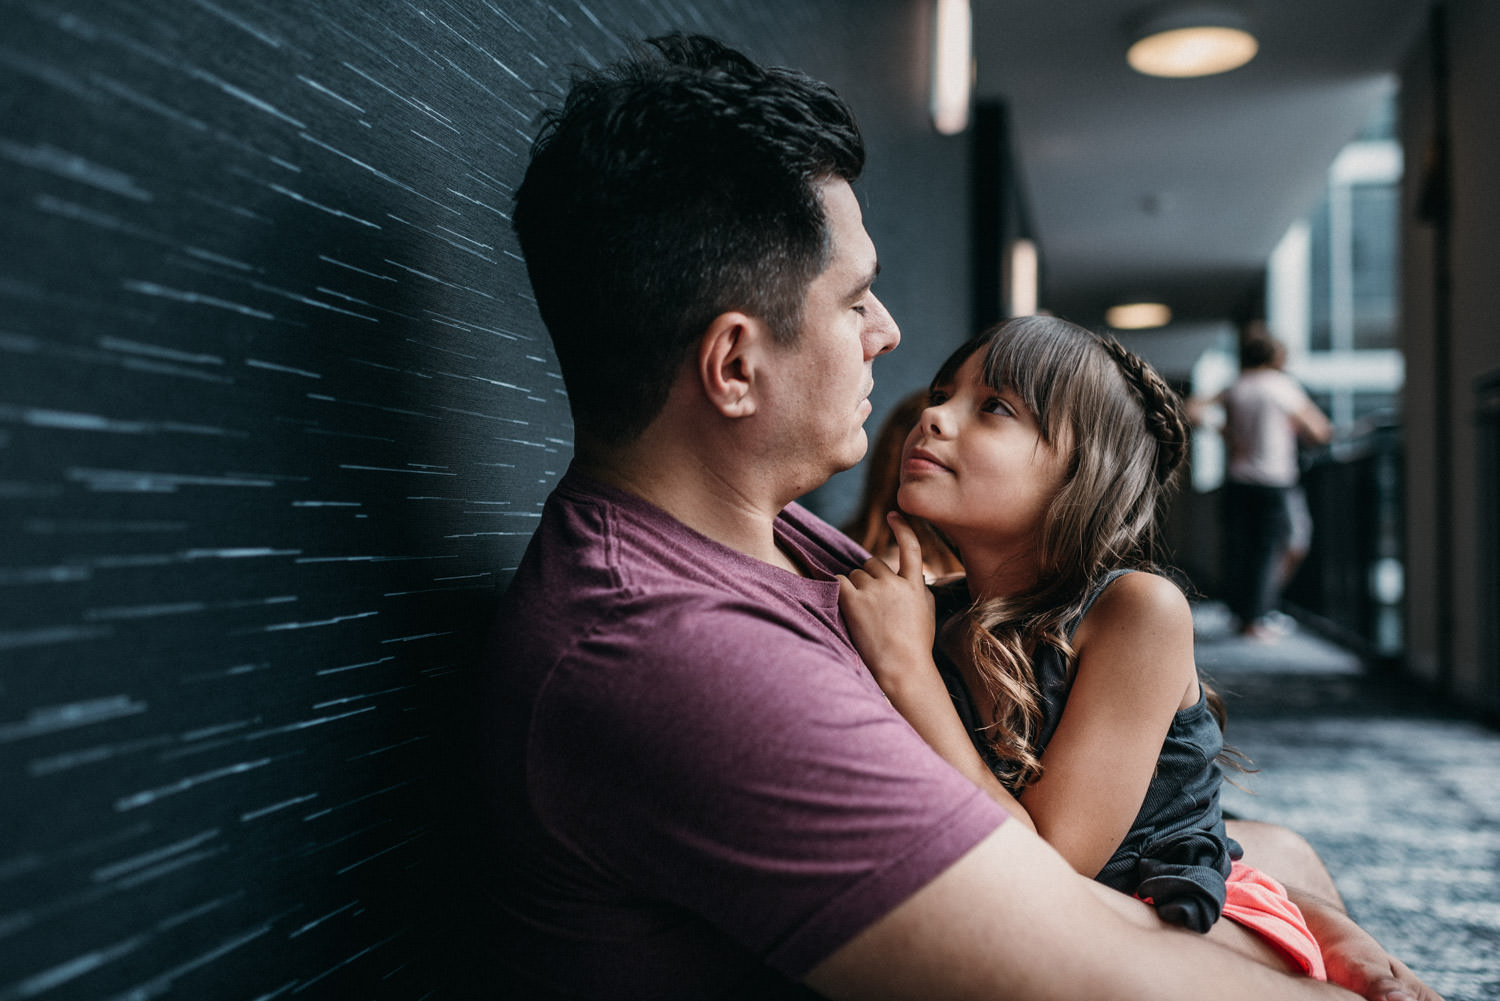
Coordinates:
[1012,920]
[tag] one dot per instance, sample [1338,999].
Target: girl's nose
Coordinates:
[935,420]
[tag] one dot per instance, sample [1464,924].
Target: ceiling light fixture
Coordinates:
[1022,274]
[1190,41]
[952,66]
[1138,315]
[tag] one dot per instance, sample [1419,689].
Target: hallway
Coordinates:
[1399,795]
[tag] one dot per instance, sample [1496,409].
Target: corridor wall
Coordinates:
[1450,115]
[276,420]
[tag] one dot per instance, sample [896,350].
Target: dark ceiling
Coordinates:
[1178,189]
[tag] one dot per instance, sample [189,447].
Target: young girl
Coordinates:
[1063,678]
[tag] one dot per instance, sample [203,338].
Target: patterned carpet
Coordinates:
[1399,796]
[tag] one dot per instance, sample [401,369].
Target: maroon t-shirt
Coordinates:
[699,790]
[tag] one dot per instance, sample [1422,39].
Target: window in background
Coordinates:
[1332,283]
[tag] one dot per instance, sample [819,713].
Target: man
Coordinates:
[1266,415]
[697,789]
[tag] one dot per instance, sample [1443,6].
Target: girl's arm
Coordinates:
[1135,671]
[891,620]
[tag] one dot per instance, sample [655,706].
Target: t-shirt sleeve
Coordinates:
[1289,395]
[759,779]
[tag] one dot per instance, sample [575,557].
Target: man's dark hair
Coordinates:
[670,188]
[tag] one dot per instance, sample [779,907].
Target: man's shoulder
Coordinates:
[1289,389]
[830,548]
[628,576]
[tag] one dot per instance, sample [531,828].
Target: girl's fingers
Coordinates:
[861,577]
[907,544]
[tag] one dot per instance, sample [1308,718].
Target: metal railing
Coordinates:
[1352,584]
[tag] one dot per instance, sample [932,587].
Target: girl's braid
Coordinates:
[1165,417]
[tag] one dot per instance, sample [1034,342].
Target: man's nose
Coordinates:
[881,332]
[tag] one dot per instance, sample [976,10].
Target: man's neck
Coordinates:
[727,509]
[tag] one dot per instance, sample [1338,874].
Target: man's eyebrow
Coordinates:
[868,280]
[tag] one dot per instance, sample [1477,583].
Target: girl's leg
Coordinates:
[1286,855]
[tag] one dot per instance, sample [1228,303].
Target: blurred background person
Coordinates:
[1267,415]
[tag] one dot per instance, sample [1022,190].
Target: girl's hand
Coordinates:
[890,613]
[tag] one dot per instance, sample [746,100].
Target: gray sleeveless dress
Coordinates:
[1177,853]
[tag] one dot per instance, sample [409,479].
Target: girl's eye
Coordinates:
[936,398]
[995,405]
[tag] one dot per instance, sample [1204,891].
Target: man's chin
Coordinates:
[858,451]
[845,461]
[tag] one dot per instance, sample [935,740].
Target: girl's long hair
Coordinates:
[1124,434]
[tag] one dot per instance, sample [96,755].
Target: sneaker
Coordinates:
[1259,632]
[1279,622]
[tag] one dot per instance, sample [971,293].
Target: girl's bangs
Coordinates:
[1035,361]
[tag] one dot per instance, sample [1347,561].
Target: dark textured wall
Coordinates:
[276,419]
[1450,103]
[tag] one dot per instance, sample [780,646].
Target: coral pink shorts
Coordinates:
[1258,902]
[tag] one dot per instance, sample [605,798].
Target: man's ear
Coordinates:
[730,359]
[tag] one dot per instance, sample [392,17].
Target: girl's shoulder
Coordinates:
[1140,632]
[1136,602]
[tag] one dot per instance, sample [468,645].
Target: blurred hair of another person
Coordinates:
[869,527]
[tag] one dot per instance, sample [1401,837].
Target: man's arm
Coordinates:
[1010,919]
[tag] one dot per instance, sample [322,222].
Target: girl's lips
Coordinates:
[919,461]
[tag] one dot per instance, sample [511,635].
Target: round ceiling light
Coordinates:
[1138,315]
[1191,41]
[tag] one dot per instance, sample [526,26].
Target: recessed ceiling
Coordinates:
[1177,190]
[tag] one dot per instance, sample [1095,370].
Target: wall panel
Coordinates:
[276,420]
